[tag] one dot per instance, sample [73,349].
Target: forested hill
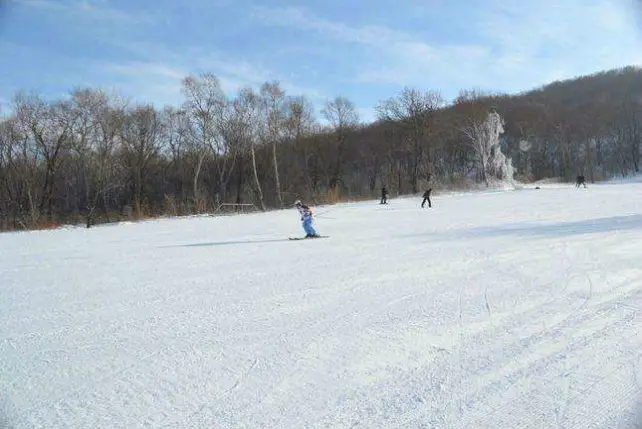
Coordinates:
[615,85]
[590,125]
[94,157]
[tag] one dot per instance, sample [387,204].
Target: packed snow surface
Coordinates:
[508,309]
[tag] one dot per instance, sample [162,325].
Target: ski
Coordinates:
[309,238]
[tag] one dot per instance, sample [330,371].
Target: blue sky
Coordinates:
[364,50]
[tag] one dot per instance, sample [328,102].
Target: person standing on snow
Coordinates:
[307,218]
[426,198]
[384,195]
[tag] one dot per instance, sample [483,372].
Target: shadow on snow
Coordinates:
[230,243]
[560,229]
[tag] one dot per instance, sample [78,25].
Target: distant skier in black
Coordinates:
[580,181]
[384,195]
[427,198]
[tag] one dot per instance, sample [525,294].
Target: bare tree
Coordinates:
[21,173]
[342,115]
[414,113]
[245,120]
[272,99]
[48,127]
[205,104]
[140,138]
[626,124]
[299,118]
[178,139]
[95,139]
[561,132]
[299,126]
[85,105]
[8,194]
[474,110]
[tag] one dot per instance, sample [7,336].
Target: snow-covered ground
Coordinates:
[515,309]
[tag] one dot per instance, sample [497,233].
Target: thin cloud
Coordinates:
[579,36]
[41,4]
[508,46]
[5,13]
[142,69]
[149,72]
[158,74]
[83,10]
[400,57]
[161,62]
[296,17]
[637,12]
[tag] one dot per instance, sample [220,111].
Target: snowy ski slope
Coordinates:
[516,309]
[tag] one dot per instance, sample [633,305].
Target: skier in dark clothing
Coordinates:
[427,198]
[384,195]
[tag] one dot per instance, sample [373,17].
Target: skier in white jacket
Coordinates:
[307,217]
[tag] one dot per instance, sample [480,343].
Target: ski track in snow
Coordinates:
[513,309]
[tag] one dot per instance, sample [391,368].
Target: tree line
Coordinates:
[95,157]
